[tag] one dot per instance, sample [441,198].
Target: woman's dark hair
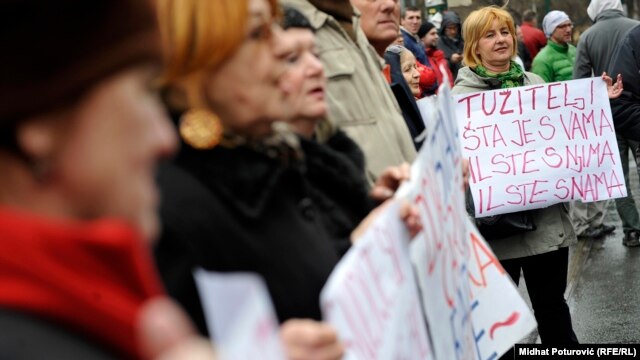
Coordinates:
[292,18]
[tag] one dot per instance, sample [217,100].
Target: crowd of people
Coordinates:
[142,139]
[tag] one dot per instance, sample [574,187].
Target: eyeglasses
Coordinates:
[569,25]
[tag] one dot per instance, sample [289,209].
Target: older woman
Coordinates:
[543,254]
[81,131]
[405,84]
[242,194]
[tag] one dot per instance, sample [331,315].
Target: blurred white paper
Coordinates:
[239,315]
[371,298]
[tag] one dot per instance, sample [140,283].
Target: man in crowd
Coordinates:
[359,99]
[428,34]
[411,20]
[594,51]
[555,62]
[450,41]
[534,38]
[380,22]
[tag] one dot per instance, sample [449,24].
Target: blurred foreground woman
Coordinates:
[80,133]
[244,192]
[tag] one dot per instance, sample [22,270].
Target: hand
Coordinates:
[456,58]
[410,215]
[613,91]
[465,174]
[389,181]
[166,333]
[305,339]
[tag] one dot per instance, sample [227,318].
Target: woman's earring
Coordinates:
[200,128]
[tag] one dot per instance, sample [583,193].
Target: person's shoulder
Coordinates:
[633,33]
[468,81]
[316,17]
[532,78]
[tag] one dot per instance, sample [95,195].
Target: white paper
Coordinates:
[371,297]
[535,146]
[239,315]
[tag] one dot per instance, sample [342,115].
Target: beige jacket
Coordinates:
[360,100]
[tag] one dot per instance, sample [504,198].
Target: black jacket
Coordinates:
[451,46]
[239,210]
[23,336]
[626,108]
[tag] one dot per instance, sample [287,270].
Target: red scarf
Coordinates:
[91,277]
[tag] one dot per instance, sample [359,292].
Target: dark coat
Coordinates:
[240,210]
[626,108]
[525,56]
[451,46]
[24,336]
[414,45]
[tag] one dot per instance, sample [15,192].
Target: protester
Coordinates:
[335,168]
[555,61]
[534,38]
[359,100]
[376,13]
[405,84]
[428,34]
[451,41]
[594,51]
[410,21]
[244,198]
[542,254]
[81,130]
[380,22]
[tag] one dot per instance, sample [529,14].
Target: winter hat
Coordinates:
[596,7]
[54,51]
[552,20]
[425,28]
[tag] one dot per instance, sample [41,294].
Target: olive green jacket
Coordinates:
[554,229]
[360,100]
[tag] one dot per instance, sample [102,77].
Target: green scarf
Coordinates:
[512,78]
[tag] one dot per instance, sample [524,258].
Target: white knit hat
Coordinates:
[552,20]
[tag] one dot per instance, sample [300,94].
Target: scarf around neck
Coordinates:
[512,78]
[89,277]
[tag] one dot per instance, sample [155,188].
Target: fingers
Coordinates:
[410,215]
[310,340]
[465,174]
[381,193]
[389,181]
[162,325]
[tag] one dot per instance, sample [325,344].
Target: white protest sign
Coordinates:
[472,307]
[371,297]
[533,146]
[239,315]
